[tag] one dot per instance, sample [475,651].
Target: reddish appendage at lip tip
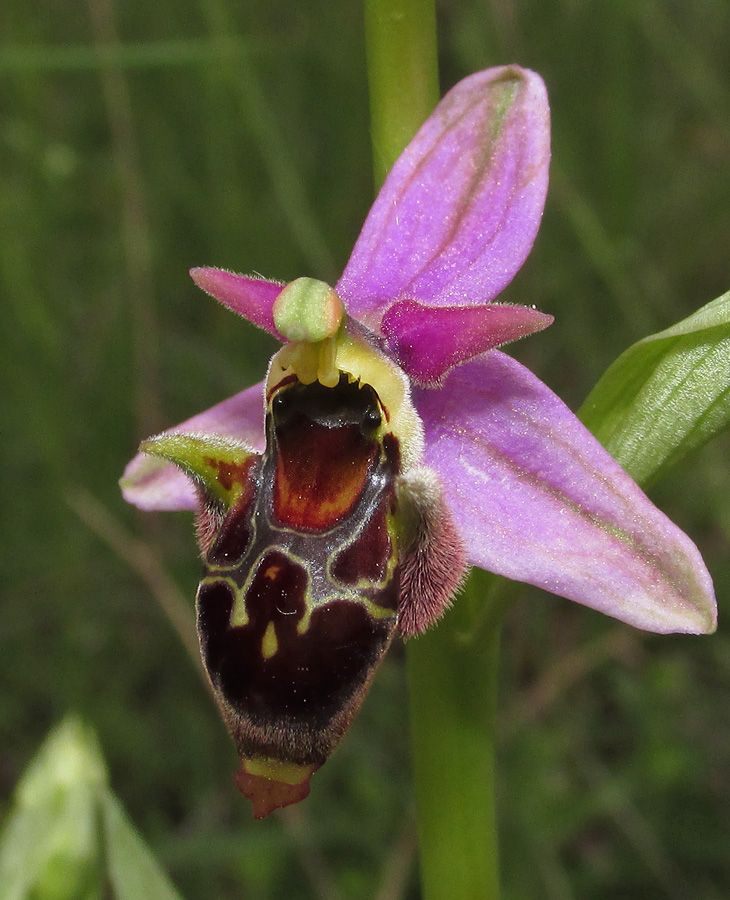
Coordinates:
[267,795]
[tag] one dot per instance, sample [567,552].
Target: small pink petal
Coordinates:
[427,341]
[252,298]
[150,483]
[460,209]
[538,499]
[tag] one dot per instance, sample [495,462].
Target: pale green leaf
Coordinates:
[49,848]
[133,870]
[666,395]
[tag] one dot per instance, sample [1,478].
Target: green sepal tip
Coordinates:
[217,464]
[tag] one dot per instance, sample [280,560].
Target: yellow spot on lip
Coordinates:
[275,770]
[272,572]
[269,643]
[303,623]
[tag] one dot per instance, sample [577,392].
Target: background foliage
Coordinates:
[137,140]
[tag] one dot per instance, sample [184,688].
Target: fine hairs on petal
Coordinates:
[250,296]
[428,341]
[209,518]
[152,483]
[434,559]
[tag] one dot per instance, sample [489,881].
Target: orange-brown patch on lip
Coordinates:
[230,473]
[321,473]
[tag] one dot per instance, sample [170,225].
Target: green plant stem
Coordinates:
[452,670]
[452,685]
[402,74]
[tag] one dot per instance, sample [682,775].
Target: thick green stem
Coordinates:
[452,670]
[402,74]
[452,683]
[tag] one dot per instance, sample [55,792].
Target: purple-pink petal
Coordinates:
[252,298]
[427,341]
[539,500]
[153,484]
[460,209]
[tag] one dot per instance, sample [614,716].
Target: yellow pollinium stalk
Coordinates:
[312,362]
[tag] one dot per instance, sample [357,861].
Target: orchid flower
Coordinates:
[392,445]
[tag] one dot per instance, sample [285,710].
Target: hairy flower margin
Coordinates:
[534,496]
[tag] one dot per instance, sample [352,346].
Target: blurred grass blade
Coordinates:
[666,395]
[134,872]
[49,848]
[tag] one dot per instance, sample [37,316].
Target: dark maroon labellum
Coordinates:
[315,551]
[300,593]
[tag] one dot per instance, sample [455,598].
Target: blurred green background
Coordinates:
[137,140]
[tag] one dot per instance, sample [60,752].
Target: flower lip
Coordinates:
[327,440]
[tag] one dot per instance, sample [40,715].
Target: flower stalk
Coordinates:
[452,669]
[402,63]
[452,687]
